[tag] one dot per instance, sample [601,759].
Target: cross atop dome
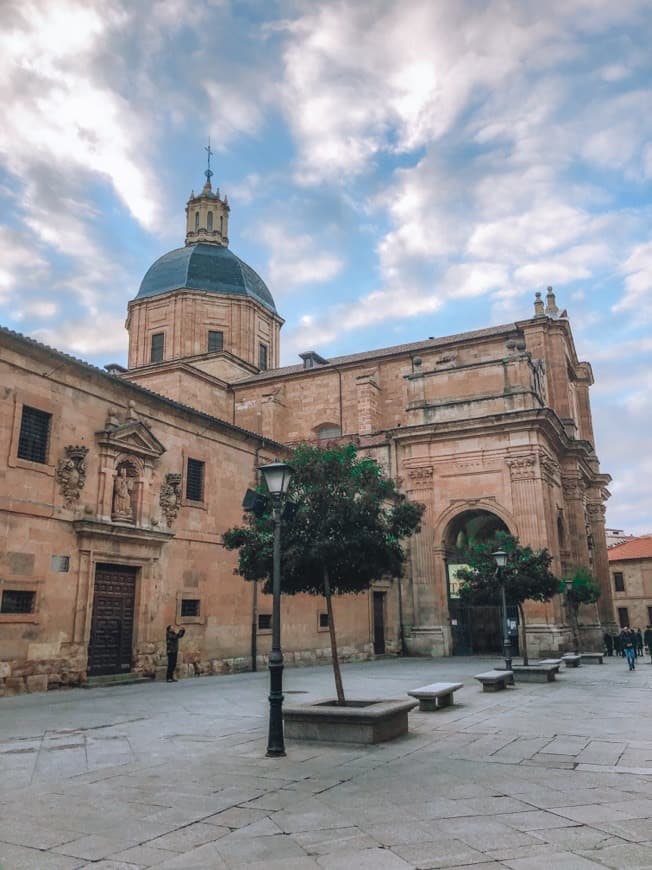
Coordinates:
[207,215]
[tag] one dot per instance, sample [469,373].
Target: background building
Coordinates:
[630,566]
[119,484]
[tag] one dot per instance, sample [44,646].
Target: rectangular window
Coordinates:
[623,617]
[262,356]
[60,564]
[17,601]
[158,344]
[34,435]
[215,341]
[264,621]
[323,620]
[649,619]
[619,582]
[195,480]
[190,607]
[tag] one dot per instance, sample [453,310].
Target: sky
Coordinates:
[396,170]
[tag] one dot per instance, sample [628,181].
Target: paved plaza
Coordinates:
[555,776]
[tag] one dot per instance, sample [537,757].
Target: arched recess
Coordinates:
[326,431]
[475,629]
[128,483]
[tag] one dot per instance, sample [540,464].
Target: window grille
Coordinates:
[17,601]
[264,621]
[623,617]
[34,435]
[619,581]
[158,343]
[262,356]
[195,480]
[215,341]
[190,607]
[323,620]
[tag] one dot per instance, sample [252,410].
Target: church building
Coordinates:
[118,484]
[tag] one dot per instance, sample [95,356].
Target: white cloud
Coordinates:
[87,336]
[57,111]
[295,259]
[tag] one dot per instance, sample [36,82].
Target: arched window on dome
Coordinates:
[196,220]
[209,221]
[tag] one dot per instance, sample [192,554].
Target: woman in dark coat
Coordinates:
[172,639]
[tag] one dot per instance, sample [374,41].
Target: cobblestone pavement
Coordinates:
[555,776]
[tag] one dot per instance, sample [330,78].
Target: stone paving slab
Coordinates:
[174,776]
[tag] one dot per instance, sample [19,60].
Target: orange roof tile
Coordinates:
[638,548]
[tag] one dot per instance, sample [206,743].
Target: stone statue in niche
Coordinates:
[122,490]
[170,498]
[71,473]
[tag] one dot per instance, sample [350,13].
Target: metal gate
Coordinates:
[109,650]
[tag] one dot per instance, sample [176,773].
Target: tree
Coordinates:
[527,576]
[580,588]
[347,531]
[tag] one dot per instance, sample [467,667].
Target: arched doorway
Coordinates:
[475,629]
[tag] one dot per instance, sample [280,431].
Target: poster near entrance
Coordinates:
[110,647]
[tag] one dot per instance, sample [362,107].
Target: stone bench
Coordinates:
[592,658]
[572,660]
[494,681]
[539,673]
[435,696]
[556,662]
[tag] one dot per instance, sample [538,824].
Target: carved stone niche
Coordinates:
[128,452]
[71,473]
[170,498]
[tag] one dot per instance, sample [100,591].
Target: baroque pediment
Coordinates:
[132,437]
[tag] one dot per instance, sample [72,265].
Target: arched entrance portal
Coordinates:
[475,629]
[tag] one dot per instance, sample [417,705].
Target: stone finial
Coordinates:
[551,304]
[538,305]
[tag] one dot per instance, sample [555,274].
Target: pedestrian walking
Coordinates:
[617,646]
[628,644]
[639,642]
[648,641]
[172,639]
[609,643]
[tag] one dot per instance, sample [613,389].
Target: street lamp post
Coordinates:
[277,477]
[572,613]
[500,557]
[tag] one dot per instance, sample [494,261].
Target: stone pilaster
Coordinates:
[596,516]
[419,487]
[527,498]
[368,404]
[574,501]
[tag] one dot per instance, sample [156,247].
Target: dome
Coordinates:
[210,268]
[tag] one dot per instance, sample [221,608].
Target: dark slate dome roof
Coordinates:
[211,268]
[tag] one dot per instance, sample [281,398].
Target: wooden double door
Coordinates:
[112,625]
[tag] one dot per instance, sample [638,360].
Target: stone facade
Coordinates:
[119,522]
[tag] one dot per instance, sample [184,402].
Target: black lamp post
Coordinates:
[570,606]
[500,557]
[277,477]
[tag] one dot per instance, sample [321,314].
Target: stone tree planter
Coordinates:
[359,721]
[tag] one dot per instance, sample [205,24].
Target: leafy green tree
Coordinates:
[579,588]
[347,531]
[526,575]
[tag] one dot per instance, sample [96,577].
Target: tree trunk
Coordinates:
[524,632]
[331,630]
